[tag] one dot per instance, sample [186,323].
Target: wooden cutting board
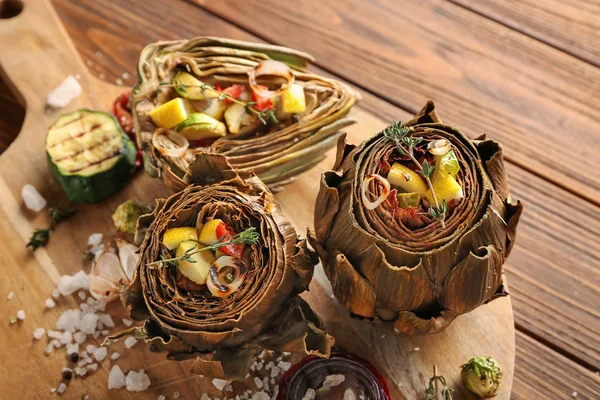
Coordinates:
[36,55]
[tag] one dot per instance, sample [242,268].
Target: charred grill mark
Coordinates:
[70,122]
[94,163]
[93,128]
[86,149]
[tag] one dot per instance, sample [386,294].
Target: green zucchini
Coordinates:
[90,155]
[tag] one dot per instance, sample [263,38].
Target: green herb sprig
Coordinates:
[264,116]
[401,136]
[40,237]
[60,214]
[432,388]
[249,236]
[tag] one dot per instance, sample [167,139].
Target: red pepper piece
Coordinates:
[261,102]
[226,232]
[234,91]
[122,112]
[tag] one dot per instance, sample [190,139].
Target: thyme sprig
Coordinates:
[432,388]
[249,236]
[263,115]
[38,238]
[60,214]
[405,142]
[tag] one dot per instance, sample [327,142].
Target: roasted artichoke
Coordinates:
[415,259]
[482,376]
[254,103]
[223,331]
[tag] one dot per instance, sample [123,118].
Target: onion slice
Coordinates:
[270,68]
[371,205]
[225,276]
[439,147]
[170,143]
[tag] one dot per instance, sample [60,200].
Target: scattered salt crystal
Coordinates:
[52,390]
[65,93]
[259,366]
[574,394]
[88,323]
[130,342]
[105,332]
[119,82]
[49,303]
[38,333]
[54,334]
[49,348]
[284,365]
[100,354]
[56,343]
[176,395]
[205,397]
[106,320]
[21,315]
[125,75]
[90,348]
[79,337]
[83,362]
[275,371]
[349,395]
[260,396]
[10,296]
[220,383]
[161,397]
[32,198]
[417,348]
[92,367]
[69,320]
[55,293]
[81,295]
[66,338]
[96,334]
[127,322]
[72,348]
[258,382]
[70,284]
[137,381]
[95,239]
[116,378]
[310,394]
[333,380]
[80,371]
[61,388]
[114,356]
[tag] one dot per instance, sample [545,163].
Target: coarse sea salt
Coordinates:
[64,93]
[95,239]
[116,378]
[10,296]
[21,315]
[39,333]
[127,322]
[260,396]
[219,383]
[137,381]
[32,198]
[130,342]
[49,303]
[115,356]
[88,323]
[333,380]
[61,388]
[69,284]
[100,354]
[79,337]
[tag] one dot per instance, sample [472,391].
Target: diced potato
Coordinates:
[446,188]
[208,233]
[293,99]
[174,236]
[186,85]
[406,179]
[196,271]
[171,113]
[216,108]
[238,120]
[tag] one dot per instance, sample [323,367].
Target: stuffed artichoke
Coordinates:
[413,225]
[251,102]
[219,275]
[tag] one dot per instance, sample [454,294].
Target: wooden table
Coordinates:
[525,73]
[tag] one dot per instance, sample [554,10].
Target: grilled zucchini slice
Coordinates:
[90,155]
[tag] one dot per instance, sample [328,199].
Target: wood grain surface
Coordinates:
[36,57]
[571,26]
[487,77]
[554,281]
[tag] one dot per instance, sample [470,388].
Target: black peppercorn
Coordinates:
[74,357]
[67,375]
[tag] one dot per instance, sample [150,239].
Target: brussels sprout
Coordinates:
[127,214]
[482,376]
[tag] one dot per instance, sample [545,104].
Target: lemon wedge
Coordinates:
[174,236]
[293,100]
[446,188]
[171,113]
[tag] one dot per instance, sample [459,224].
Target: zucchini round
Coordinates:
[90,155]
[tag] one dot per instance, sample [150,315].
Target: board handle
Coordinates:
[37,54]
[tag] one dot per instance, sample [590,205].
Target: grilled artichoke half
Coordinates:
[419,279]
[276,150]
[265,312]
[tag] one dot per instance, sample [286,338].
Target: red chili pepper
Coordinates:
[122,112]
[234,91]
[226,232]
[262,102]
